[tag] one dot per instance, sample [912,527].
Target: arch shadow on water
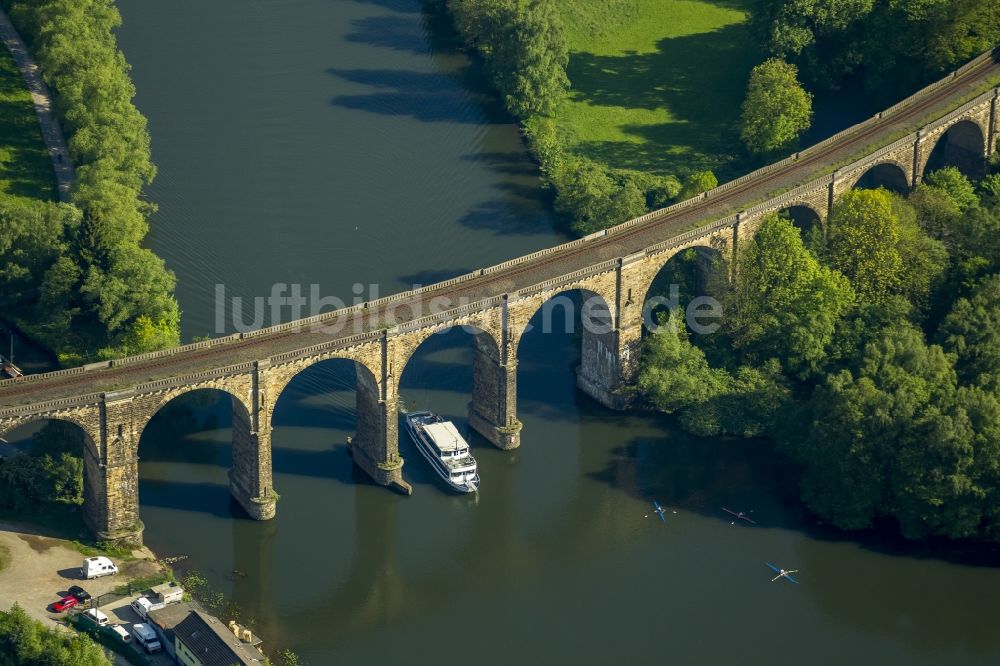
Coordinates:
[438,377]
[185,454]
[311,420]
[549,355]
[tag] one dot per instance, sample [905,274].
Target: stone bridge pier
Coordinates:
[493,410]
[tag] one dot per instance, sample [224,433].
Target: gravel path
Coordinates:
[42,98]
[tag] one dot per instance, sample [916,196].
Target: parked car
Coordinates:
[80,593]
[95,567]
[65,604]
[147,637]
[96,616]
[122,633]
[142,606]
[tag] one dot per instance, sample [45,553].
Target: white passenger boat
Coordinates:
[445,449]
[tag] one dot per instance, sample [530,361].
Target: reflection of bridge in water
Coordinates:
[113,401]
[380,590]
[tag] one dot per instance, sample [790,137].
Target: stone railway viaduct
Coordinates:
[113,401]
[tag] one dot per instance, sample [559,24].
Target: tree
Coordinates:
[675,377]
[524,49]
[864,243]
[956,185]
[696,183]
[971,331]
[784,304]
[937,212]
[924,259]
[27,641]
[895,46]
[892,439]
[673,373]
[747,408]
[989,189]
[84,262]
[777,109]
[532,76]
[591,199]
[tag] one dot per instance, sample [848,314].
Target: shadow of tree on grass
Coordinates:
[699,79]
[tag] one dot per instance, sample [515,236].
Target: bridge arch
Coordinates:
[457,370]
[681,277]
[336,392]
[21,436]
[962,146]
[804,216]
[195,441]
[9,429]
[585,312]
[887,174]
[155,402]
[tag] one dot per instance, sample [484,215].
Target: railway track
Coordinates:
[575,257]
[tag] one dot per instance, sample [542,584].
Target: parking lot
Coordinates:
[120,612]
[42,568]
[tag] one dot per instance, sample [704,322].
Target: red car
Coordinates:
[65,604]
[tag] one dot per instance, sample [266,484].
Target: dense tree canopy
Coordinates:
[777,109]
[592,199]
[884,425]
[784,304]
[523,47]
[864,243]
[27,642]
[896,45]
[972,332]
[98,292]
[897,438]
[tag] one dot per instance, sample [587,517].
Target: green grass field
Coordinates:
[25,166]
[657,84]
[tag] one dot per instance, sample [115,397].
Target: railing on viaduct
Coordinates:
[112,401]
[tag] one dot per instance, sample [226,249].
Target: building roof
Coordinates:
[171,615]
[212,642]
[166,588]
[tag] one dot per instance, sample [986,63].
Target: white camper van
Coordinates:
[95,567]
[96,616]
[142,606]
[122,633]
[146,636]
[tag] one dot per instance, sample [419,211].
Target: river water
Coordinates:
[337,142]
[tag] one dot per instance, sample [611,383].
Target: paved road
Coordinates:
[562,261]
[42,98]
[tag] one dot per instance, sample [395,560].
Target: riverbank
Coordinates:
[653,102]
[80,281]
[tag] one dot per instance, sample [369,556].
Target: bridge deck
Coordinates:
[619,242]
